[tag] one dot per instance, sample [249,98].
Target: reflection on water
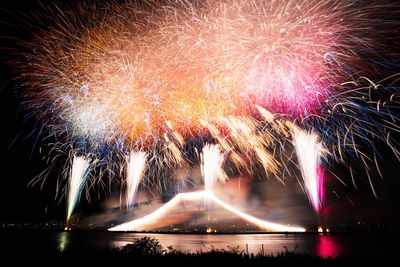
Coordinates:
[330,245]
[323,246]
[327,246]
[63,241]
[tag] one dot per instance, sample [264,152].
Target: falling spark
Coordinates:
[134,173]
[150,221]
[247,138]
[77,180]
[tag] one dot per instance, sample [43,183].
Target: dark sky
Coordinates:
[21,160]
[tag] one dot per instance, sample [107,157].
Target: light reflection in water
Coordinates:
[63,241]
[253,243]
[327,246]
[324,245]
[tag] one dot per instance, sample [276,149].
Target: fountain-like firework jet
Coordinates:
[309,152]
[212,160]
[150,221]
[77,178]
[134,173]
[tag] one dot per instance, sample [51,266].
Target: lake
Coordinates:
[333,245]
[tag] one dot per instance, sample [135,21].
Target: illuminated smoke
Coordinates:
[149,221]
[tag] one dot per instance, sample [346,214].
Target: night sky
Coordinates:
[21,158]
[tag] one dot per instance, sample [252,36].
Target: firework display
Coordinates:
[160,85]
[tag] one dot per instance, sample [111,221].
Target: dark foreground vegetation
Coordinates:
[147,252]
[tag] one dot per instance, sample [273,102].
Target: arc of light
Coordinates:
[158,214]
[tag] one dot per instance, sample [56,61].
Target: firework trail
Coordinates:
[134,173]
[167,77]
[77,178]
[309,153]
[150,221]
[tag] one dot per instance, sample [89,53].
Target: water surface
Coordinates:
[333,245]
